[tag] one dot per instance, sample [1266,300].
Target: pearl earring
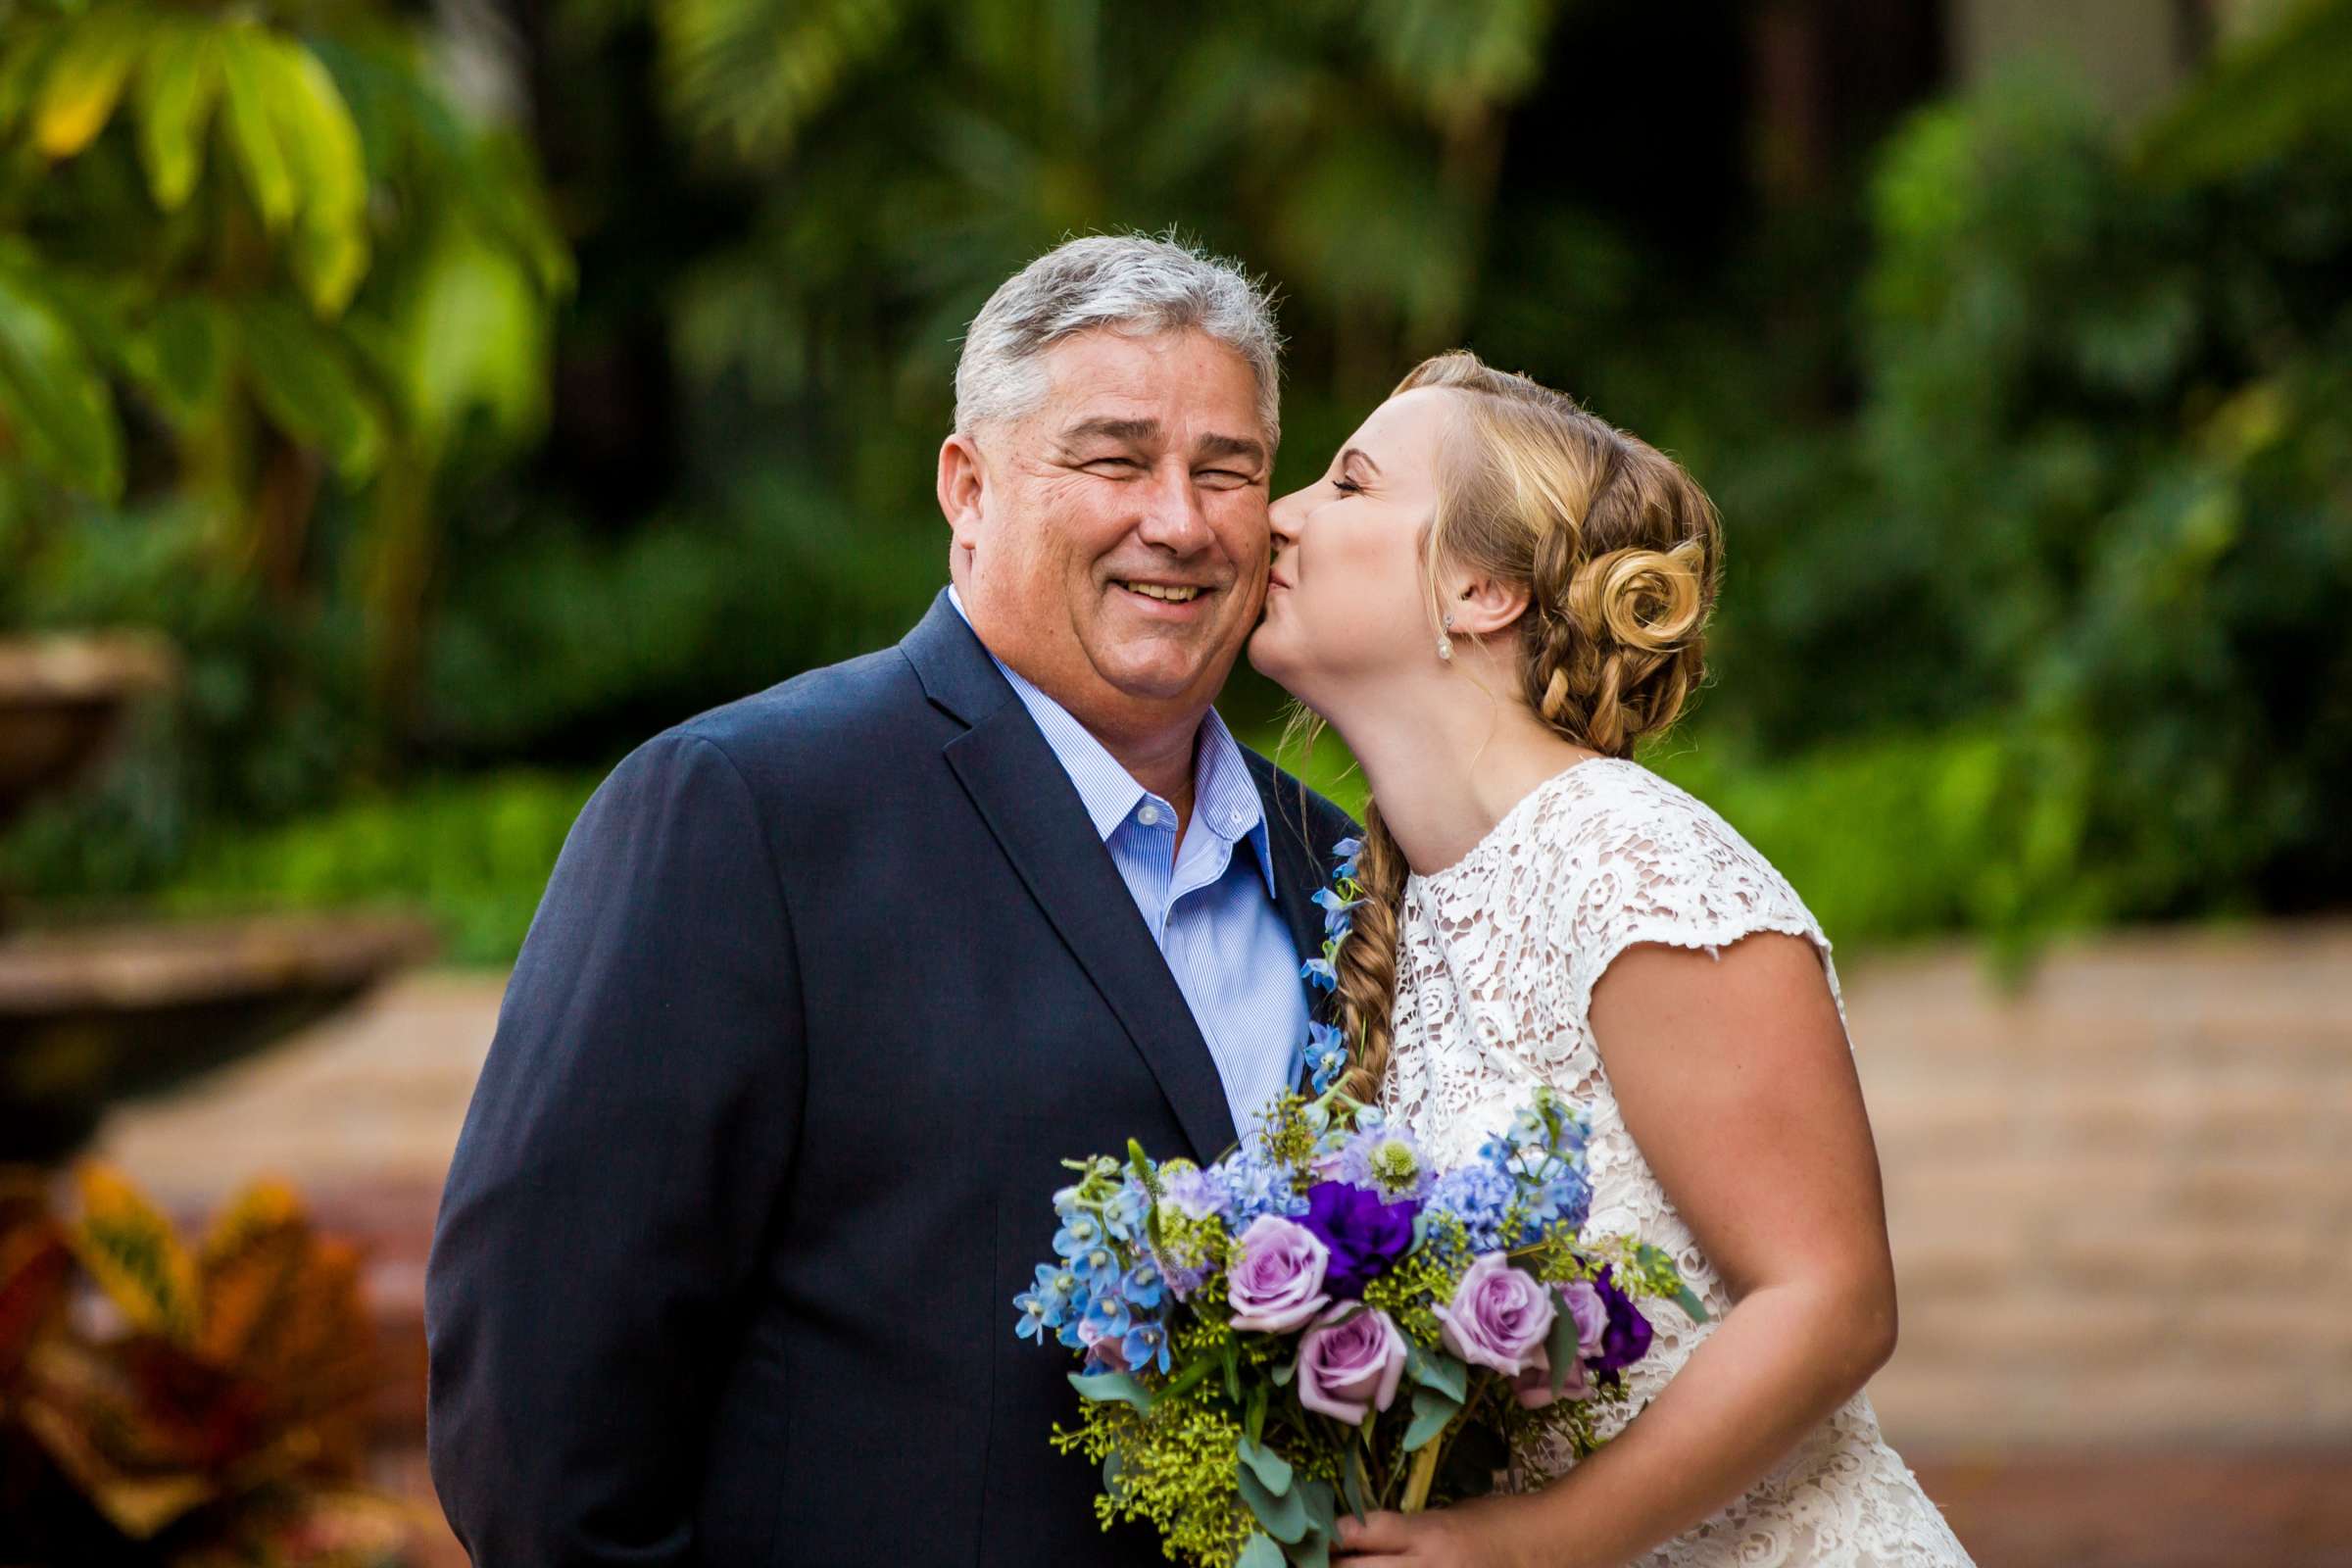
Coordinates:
[1446,643]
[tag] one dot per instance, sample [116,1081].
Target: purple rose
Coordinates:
[1626,1338]
[1365,1234]
[1499,1317]
[1276,1282]
[1347,1370]
[1590,1313]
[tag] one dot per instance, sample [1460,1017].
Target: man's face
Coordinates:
[1112,544]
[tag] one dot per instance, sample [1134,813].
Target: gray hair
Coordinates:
[1131,284]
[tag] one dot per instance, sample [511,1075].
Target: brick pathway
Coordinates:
[2121,1203]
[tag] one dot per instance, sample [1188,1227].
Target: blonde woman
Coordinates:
[1492,596]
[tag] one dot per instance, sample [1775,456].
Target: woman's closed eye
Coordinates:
[1346,486]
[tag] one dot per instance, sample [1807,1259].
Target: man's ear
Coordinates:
[962,482]
[1483,605]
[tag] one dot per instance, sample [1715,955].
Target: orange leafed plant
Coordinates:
[197,1406]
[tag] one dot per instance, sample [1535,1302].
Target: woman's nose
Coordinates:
[1283,518]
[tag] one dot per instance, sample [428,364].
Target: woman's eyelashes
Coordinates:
[1346,486]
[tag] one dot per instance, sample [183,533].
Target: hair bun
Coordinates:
[1644,601]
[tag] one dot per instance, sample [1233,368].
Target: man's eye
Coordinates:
[1128,463]
[1223,478]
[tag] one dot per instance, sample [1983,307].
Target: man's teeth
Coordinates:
[1174,595]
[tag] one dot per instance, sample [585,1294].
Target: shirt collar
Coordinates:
[1225,800]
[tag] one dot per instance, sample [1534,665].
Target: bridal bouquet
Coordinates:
[1322,1318]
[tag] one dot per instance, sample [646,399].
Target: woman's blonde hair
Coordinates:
[1619,551]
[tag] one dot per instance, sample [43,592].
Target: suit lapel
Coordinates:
[1301,868]
[1028,801]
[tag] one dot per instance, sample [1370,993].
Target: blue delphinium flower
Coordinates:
[1145,1345]
[1109,1315]
[1347,850]
[1143,1286]
[1124,1215]
[1326,1056]
[1335,921]
[1477,1195]
[1095,1264]
[1046,1306]
[1080,1233]
[1320,973]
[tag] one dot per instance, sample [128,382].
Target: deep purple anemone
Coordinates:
[1365,1233]
[1626,1338]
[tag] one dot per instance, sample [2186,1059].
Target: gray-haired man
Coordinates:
[828,981]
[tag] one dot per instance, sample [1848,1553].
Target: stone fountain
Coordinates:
[89,1016]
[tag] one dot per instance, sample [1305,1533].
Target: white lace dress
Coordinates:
[1496,960]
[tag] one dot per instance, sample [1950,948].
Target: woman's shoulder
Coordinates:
[1646,860]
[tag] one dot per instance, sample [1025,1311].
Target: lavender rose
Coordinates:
[1276,1283]
[1590,1313]
[1348,1369]
[1365,1232]
[1499,1317]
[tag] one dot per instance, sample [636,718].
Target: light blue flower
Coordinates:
[1143,1286]
[1187,1189]
[1320,973]
[1254,1187]
[1123,1216]
[1347,850]
[1095,1264]
[1325,1055]
[1145,1345]
[1108,1315]
[1081,1234]
[1479,1195]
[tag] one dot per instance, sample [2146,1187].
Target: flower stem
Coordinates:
[1424,1471]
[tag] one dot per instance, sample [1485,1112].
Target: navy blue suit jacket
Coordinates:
[825,985]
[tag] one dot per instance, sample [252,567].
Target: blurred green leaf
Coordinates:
[179,81]
[56,404]
[300,374]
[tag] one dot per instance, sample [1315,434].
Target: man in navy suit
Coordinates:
[827,982]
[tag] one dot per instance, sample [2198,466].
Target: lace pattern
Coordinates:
[1496,960]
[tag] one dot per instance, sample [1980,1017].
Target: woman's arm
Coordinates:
[1735,1078]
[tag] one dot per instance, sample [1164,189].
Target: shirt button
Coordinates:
[1148,814]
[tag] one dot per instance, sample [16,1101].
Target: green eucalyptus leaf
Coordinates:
[1351,1478]
[1432,1412]
[1433,1369]
[1284,1371]
[1269,1467]
[1560,1346]
[1105,1388]
[1322,1504]
[1282,1514]
[1688,1299]
[1258,1553]
[1311,1551]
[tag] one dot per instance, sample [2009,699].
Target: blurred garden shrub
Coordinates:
[2105,508]
[266,296]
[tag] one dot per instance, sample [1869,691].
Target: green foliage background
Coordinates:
[2030,428]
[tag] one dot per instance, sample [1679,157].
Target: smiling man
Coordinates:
[827,982]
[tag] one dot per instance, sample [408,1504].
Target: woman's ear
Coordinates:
[1480,607]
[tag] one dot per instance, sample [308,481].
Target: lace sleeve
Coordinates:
[1648,862]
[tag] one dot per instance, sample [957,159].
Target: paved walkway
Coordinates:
[2121,1203]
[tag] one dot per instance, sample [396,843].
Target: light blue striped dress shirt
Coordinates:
[1209,902]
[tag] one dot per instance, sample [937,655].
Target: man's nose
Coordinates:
[1173,518]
